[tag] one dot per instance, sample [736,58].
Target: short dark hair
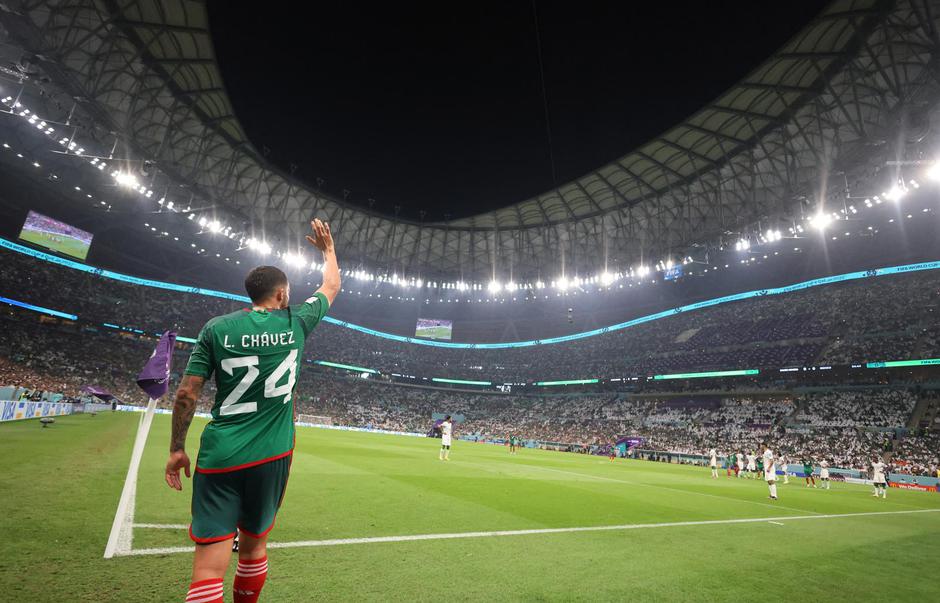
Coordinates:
[262,281]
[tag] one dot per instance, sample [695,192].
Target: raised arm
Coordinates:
[322,239]
[183,410]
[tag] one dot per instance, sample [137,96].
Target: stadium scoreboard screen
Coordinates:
[57,236]
[433,328]
[674,273]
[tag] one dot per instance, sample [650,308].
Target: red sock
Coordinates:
[205,591]
[249,578]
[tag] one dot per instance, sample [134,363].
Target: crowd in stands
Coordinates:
[886,318]
[847,427]
[891,408]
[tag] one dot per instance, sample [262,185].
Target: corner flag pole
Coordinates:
[119,542]
[153,379]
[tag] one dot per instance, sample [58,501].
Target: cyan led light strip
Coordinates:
[348,367]
[20,304]
[128,329]
[828,280]
[707,374]
[569,382]
[896,363]
[460,381]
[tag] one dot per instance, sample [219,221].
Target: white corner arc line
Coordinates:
[536,531]
[163,526]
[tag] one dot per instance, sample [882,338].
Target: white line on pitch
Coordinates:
[451,536]
[163,526]
[776,523]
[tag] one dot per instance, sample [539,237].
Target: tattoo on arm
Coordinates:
[184,408]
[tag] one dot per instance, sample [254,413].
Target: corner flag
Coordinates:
[155,380]
[155,377]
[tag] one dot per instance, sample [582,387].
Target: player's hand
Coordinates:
[178,460]
[322,238]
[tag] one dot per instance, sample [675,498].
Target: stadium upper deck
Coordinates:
[828,111]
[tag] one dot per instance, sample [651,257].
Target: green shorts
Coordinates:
[245,499]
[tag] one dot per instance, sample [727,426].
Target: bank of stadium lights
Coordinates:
[257,246]
[820,221]
[896,192]
[125,179]
[771,236]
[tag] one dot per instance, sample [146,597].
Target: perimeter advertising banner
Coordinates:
[15,410]
[910,486]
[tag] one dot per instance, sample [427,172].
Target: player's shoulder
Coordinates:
[316,298]
[224,320]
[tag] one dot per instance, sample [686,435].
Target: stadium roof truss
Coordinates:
[835,99]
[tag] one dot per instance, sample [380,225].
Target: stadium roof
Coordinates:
[831,101]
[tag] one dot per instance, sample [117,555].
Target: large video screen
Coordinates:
[433,328]
[57,236]
[674,273]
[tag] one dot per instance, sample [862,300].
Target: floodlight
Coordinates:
[124,178]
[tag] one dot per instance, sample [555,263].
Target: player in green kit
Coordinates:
[245,451]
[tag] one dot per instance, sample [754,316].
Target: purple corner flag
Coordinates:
[155,378]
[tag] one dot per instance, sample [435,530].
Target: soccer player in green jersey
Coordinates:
[808,472]
[245,451]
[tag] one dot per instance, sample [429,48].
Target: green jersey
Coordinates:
[255,356]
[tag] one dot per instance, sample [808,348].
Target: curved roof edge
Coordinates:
[828,97]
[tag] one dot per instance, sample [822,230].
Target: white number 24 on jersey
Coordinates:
[231,404]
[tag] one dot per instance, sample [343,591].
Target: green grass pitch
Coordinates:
[61,243]
[61,486]
[434,332]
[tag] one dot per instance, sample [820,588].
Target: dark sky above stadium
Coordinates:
[439,107]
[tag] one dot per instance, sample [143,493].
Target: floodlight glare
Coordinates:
[895,194]
[933,172]
[820,221]
[125,179]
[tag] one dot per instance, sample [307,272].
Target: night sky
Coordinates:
[439,108]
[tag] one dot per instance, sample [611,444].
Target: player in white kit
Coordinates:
[783,467]
[447,429]
[770,470]
[824,473]
[752,465]
[713,462]
[740,458]
[878,478]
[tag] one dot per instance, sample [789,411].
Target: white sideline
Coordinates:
[451,536]
[121,538]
